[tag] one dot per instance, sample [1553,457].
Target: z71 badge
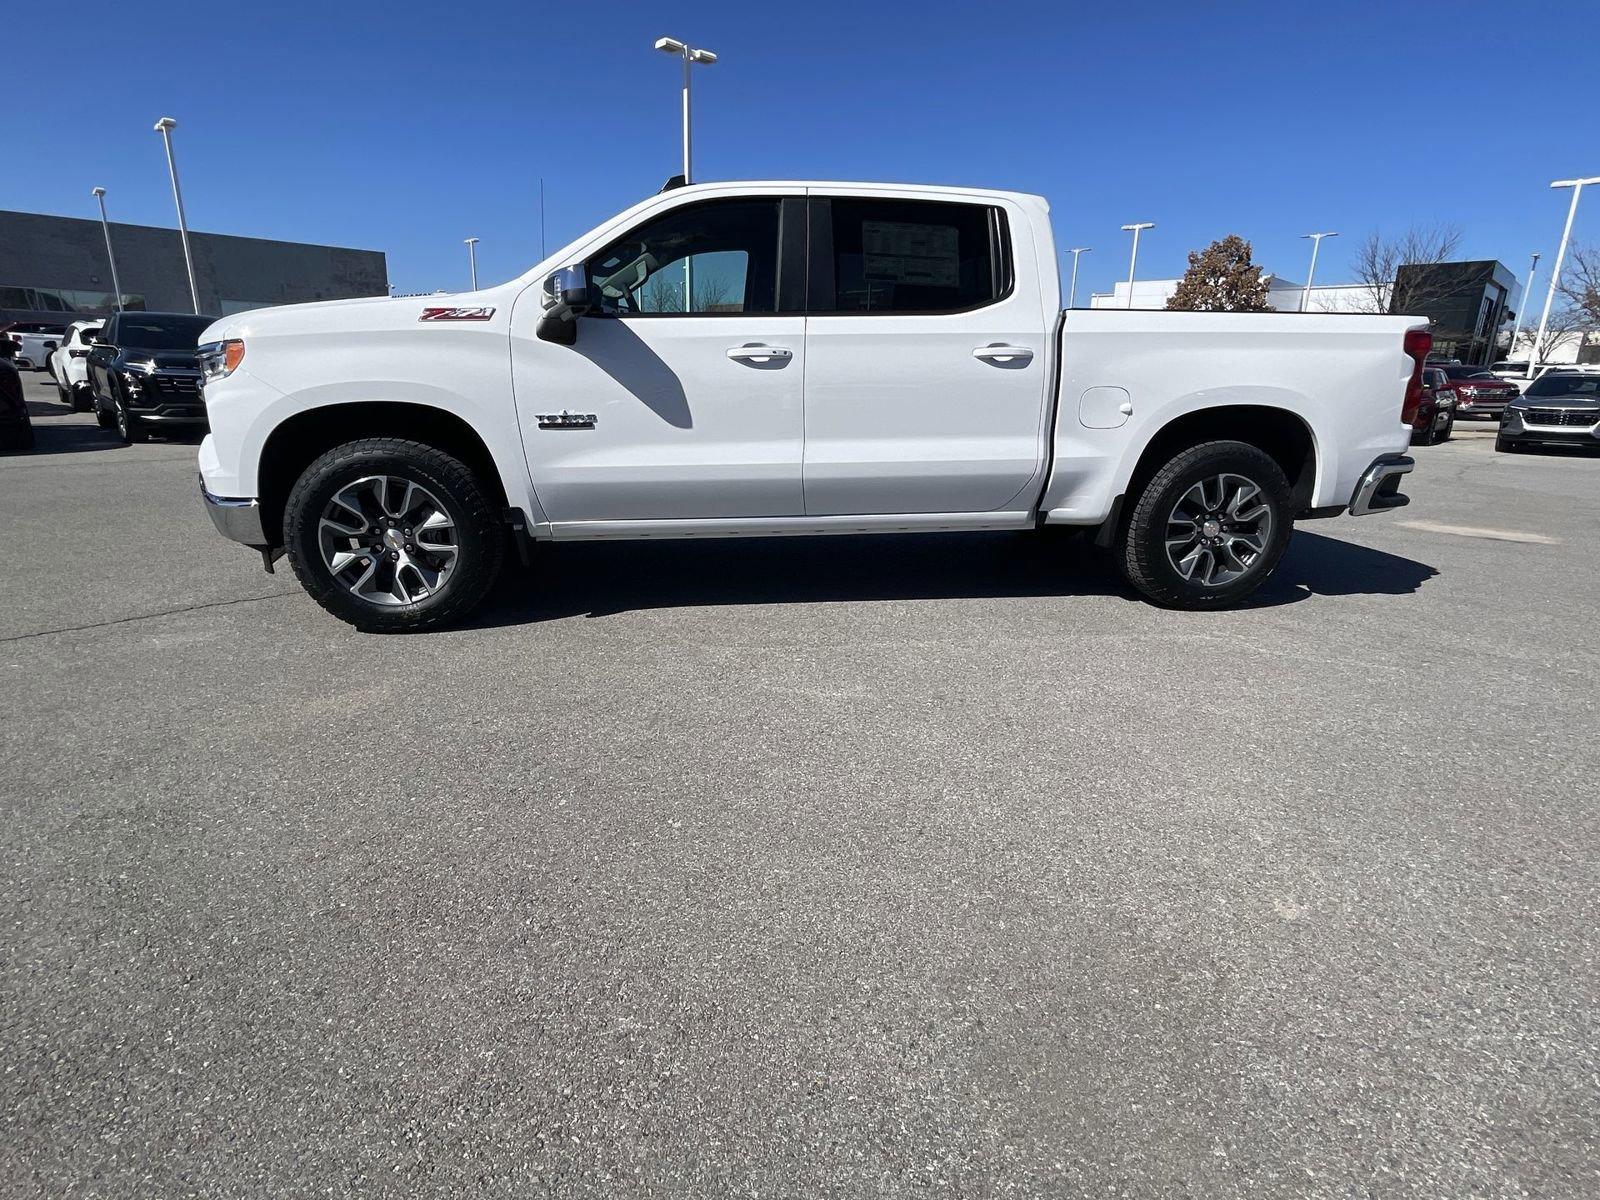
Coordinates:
[565,420]
[456,314]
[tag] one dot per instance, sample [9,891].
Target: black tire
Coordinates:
[1443,435]
[63,395]
[129,428]
[480,544]
[81,399]
[103,414]
[1142,544]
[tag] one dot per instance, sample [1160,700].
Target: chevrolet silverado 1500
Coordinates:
[755,359]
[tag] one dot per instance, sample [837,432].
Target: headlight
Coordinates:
[218,360]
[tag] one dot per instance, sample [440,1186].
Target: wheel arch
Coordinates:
[1280,432]
[301,438]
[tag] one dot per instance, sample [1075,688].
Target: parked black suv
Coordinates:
[143,373]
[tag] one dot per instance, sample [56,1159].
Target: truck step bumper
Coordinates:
[1379,488]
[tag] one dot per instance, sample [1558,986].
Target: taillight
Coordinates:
[1418,343]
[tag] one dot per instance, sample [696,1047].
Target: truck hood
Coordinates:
[319,315]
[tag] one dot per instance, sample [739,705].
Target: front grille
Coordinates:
[1583,417]
[179,388]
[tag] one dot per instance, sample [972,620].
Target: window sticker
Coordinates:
[902,252]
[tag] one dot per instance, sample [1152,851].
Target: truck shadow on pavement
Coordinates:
[598,579]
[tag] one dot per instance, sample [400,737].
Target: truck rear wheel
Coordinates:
[1208,528]
[392,535]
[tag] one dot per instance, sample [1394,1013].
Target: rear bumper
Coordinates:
[237,518]
[1379,486]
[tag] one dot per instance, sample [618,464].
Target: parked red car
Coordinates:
[1480,395]
[1436,415]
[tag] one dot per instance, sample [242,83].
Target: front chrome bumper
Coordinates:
[237,518]
[1379,488]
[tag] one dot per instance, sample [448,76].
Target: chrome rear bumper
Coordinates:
[1379,487]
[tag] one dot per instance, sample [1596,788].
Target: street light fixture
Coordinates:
[1577,186]
[690,55]
[1516,330]
[472,257]
[1133,260]
[164,127]
[1072,290]
[1311,273]
[99,194]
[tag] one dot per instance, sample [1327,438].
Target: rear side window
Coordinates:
[907,256]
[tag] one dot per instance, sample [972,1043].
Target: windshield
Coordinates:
[1580,387]
[146,332]
[1466,371]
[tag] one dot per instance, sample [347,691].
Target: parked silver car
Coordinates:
[1560,408]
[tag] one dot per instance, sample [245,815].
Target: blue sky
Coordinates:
[406,127]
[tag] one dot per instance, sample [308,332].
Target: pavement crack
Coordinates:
[166,612]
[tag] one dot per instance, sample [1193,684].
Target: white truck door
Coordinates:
[683,397]
[926,358]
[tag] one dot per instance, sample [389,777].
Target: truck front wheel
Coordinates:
[1208,528]
[392,535]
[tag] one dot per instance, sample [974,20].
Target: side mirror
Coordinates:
[566,298]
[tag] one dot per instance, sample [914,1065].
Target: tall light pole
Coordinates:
[1516,329]
[1133,260]
[472,258]
[1311,273]
[1577,186]
[1072,290]
[164,127]
[690,55]
[99,194]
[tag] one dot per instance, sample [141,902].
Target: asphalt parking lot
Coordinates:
[826,867]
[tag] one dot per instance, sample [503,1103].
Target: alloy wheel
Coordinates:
[1218,530]
[388,540]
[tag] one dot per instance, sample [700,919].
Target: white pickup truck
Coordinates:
[754,359]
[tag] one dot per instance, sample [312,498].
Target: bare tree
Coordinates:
[1566,323]
[1580,283]
[662,294]
[711,295]
[1379,259]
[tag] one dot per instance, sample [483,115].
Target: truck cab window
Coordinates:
[714,258]
[908,256]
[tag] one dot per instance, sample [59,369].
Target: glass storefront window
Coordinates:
[66,300]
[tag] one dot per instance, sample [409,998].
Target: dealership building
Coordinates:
[55,268]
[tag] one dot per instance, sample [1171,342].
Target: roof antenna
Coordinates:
[676,181]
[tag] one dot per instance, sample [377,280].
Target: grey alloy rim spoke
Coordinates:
[388,540]
[1218,530]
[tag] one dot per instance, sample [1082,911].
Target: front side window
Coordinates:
[909,256]
[715,258]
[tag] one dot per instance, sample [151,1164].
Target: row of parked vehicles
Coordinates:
[138,371]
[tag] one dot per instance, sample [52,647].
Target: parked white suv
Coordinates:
[69,365]
[745,359]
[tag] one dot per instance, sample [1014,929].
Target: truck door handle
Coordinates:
[759,354]
[1004,355]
